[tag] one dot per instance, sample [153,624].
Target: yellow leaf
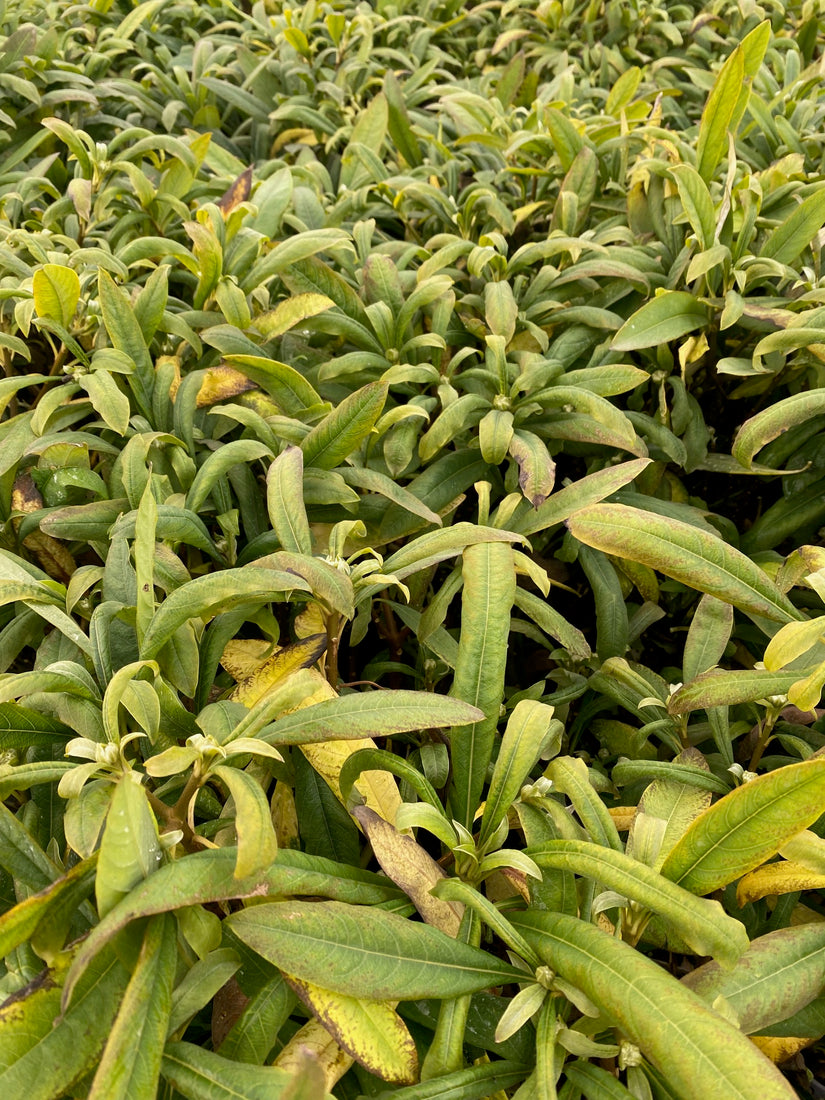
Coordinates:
[378,789]
[411,868]
[622,816]
[276,668]
[315,1041]
[784,877]
[807,849]
[284,816]
[311,620]
[779,1049]
[291,312]
[221,383]
[371,1031]
[243,656]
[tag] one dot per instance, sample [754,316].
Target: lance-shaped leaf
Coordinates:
[487,599]
[718,115]
[685,553]
[537,470]
[130,1066]
[708,635]
[588,490]
[702,924]
[437,546]
[198,1074]
[129,849]
[530,731]
[257,843]
[672,314]
[372,1032]
[369,714]
[778,975]
[216,466]
[409,867]
[285,501]
[569,776]
[788,241]
[275,669]
[41,1058]
[206,877]
[783,877]
[699,1051]
[204,597]
[344,429]
[46,915]
[365,952]
[283,383]
[726,688]
[747,826]
[770,423]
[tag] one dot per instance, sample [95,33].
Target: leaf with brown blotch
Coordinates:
[411,868]
[52,555]
[236,194]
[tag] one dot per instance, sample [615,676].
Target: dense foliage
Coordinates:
[412,479]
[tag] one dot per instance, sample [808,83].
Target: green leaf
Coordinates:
[437,546]
[787,243]
[206,877]
[108,401]
[708,636]
[477,1083]
[257,844]
[41,1059]
[747,826]
[581,494]
[55,905]
[487,598]
[771,422]
[144,555]
[285,501]
[218,464]
[398,121]
[530,732]
[686,553]
[129,849]
[778,975]
[671,314]
[22,728]
[569,775]
[56,292]
[365,952]
[375,482]
[369,714]
[344,429]
[126,335]
[719,688]
[718,115]
[283,383]
[198,1074]
[204,597]
[702,924]
[699,1051]
[129,1068]
[693,191]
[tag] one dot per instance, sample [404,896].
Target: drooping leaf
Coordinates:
[685,553]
